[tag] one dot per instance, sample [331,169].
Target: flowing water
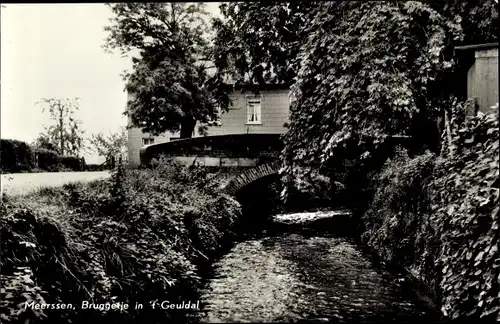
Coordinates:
[292,277]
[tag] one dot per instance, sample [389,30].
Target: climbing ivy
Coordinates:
[437,216]
[368,71]
[258,43]
[465,208]
[366,76]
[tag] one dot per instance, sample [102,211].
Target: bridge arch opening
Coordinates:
[260,200]
[251,175]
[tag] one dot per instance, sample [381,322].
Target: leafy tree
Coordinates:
[170,85]
[65,133]
[367,72]
[44,142]
[115,144]
[259,43]
[478,19]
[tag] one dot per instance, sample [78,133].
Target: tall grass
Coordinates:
[140,236]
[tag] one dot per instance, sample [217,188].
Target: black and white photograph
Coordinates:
[249,162]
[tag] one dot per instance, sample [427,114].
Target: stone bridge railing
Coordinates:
[238,150]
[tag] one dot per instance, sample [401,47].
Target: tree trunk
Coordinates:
[187,127]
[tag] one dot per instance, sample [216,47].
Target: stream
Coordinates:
[307,277]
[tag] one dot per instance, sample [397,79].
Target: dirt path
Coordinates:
[23,183]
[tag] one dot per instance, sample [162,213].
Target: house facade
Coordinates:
[265,113]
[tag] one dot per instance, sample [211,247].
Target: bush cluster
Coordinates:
[47,160]
[140,236]
[397,220]
[307,189]
[72,163]
[15,156]
[438,216]
[96,167]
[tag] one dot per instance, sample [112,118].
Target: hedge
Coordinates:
[18,156]
[73,163]
[47,160]
[15,156]
[96,167]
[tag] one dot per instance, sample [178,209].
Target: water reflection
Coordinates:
[296,278]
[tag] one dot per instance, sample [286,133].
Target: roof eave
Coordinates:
[477,47]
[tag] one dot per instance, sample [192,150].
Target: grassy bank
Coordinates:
[142,235]
[437,216]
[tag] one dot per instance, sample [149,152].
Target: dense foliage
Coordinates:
[258,43]
[465,215]
[73,163]
[15,156]
[397,220]
[370,72]
[366,76]
[310,190]
[138,237]
[47,160]
[438,216]
[170,87]
[479,20]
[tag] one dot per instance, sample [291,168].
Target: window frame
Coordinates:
[248,99]
[150,139]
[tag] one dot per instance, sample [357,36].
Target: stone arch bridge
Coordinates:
[241,159]
[250,176]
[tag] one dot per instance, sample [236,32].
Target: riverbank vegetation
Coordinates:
[141,236]
[437,215]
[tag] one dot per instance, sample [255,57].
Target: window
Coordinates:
[147,141]
[254,110]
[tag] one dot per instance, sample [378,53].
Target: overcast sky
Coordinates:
[54,50]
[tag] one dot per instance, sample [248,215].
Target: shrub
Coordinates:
[465,208]
[47,159]
[397,220]
[95,167]
[438,216]
[80,246]
[15,156]
[72,163]
[307,189]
